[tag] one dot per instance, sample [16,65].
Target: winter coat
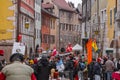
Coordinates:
[97,69]
[43,69]
[60,66]
[118,66]
[17,71]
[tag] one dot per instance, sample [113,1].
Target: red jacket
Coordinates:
[116,75]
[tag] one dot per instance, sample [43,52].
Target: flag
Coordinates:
[89,51]
[1,52]
[94,45]
[69,48]
[54,52]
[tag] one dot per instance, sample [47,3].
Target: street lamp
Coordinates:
[27,25]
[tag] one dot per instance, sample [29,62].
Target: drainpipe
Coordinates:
[18,15]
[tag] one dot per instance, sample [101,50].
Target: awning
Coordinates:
[77,47]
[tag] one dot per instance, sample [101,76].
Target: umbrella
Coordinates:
[77,47]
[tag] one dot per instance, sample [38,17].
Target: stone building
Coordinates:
[18,21]
[98,23]
[27,24]
[69,27]
[48,29]
[37,24]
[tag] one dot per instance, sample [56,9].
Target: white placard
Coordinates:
[18,48]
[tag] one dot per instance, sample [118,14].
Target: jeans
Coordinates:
[80,75]
[109,75]
[71,75]
[97,77]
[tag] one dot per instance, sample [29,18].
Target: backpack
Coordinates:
[82,65]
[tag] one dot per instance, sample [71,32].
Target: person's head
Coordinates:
[57,58]
[98,60]
[93,59]
[16,57]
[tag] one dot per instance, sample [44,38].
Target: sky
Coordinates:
[75,2]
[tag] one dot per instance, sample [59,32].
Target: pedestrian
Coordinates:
[69,68]
[1,65]
[118,65]
[81,67]
[109,68]
[43,69]
[17,70]
[116,74]
[97,68]
[60,66]
[90,70]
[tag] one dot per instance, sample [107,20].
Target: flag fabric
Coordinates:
[54,52]
[1,52]
[69,48]
[94,45]
[89,51]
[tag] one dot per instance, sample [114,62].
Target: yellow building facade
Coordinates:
[110,20]
[7,19]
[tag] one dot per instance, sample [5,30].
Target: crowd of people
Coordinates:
[72,66]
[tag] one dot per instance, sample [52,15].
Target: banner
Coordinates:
[89,51]
[18,48]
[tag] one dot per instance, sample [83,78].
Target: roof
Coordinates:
[62,4]
[53,15]
[48,5]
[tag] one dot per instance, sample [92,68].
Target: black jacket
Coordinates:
[43,70]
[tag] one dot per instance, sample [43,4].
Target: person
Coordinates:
[1,65]
[17,70]
[109,68]
[90,70]
[60,66]
[69,68]
[97,68]
[81,67]
[43,69]
[118,65]
[116,74]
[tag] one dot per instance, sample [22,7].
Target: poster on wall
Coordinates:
[18,48]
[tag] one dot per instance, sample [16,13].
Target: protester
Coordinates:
[16,70]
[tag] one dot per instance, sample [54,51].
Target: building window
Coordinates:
[51,25]
[70,27]
[60,26]
[115,11]
[63,26]
[110,17]
[52,39]
[66,27]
